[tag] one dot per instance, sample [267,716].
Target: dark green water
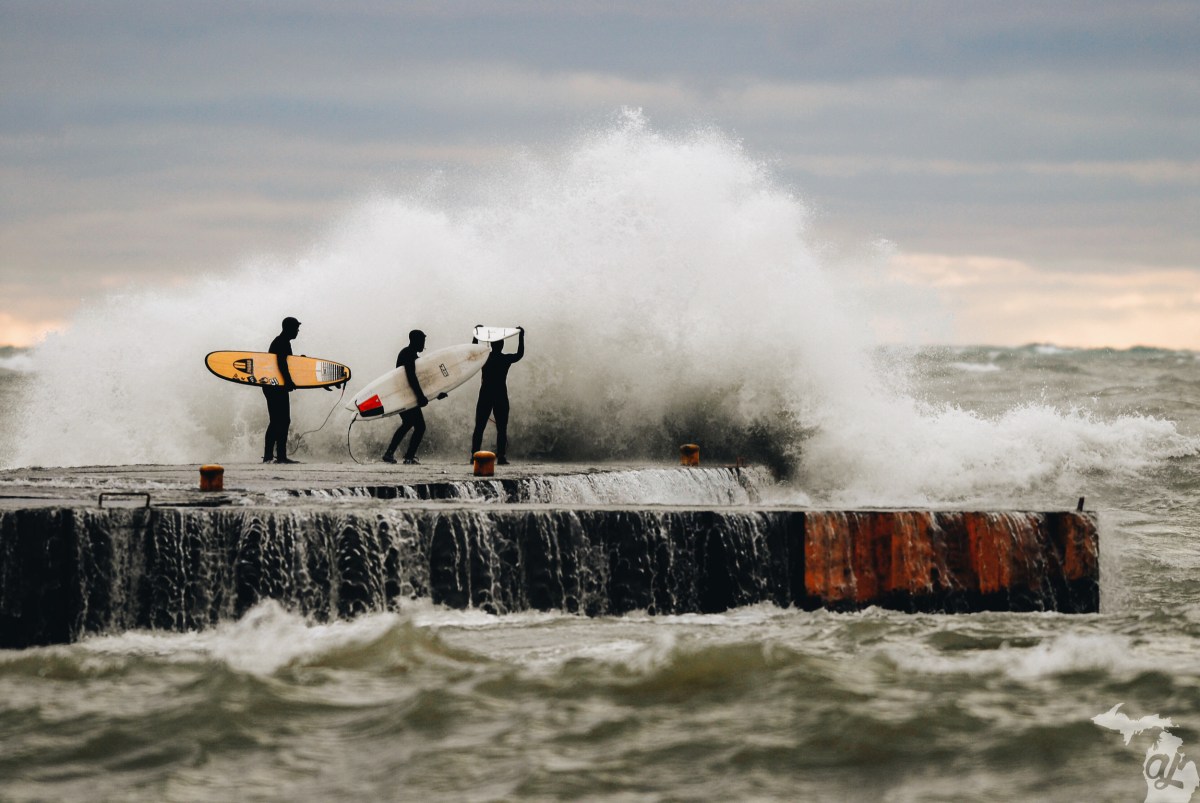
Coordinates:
[754,704]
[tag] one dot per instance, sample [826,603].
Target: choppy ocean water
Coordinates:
[755,704]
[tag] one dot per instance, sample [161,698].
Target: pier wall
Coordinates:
[70,571]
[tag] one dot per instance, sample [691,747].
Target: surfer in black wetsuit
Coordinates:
[412,419]
[278,407]
[493,396]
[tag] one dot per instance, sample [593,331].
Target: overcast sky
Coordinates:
[1036,164]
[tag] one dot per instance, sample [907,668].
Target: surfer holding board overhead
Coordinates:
[493,389]
[411,419]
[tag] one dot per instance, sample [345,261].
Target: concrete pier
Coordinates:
[338,541]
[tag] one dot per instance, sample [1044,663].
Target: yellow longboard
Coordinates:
[261,368]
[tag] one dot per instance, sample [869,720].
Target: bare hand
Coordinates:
[442,396]
[422,402]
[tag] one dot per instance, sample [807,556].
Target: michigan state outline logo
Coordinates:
[1170,777]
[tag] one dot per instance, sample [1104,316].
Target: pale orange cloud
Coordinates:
[1008,302]
[16,331]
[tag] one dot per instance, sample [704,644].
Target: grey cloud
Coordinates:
[1063,132]
[707,43]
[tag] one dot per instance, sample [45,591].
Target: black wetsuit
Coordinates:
[412,419]
[279,409]
[493,398]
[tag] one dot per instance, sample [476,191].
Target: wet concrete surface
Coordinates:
[252,483]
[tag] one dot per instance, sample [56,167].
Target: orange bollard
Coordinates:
[212,478]
[689,455]
[484,464]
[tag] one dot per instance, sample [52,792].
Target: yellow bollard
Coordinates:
[485,464]
[689,455]
[212,478]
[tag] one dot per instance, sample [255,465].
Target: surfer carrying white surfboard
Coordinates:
[279,409]
[412,419]
[493,396]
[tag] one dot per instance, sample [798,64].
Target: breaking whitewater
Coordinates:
[671,294]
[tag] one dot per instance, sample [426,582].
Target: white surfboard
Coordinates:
[490,334]
[438,371]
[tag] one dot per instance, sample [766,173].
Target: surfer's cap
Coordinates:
[290,321]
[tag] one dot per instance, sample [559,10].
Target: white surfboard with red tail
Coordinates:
[438,371]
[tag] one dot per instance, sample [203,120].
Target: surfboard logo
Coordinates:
[370,407]
[444,371]
[246,366]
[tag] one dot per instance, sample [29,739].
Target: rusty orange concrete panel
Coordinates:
[960,561]
[828,556]
[912,553]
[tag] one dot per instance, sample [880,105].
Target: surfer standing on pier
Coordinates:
[493,396]
[279,408]
[412,419]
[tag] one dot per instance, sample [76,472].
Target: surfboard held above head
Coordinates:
[262,368]
[437,372]
[490,334]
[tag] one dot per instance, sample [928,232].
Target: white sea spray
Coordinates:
[672,291]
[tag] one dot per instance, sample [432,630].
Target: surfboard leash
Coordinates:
[348,449]
[299,439]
